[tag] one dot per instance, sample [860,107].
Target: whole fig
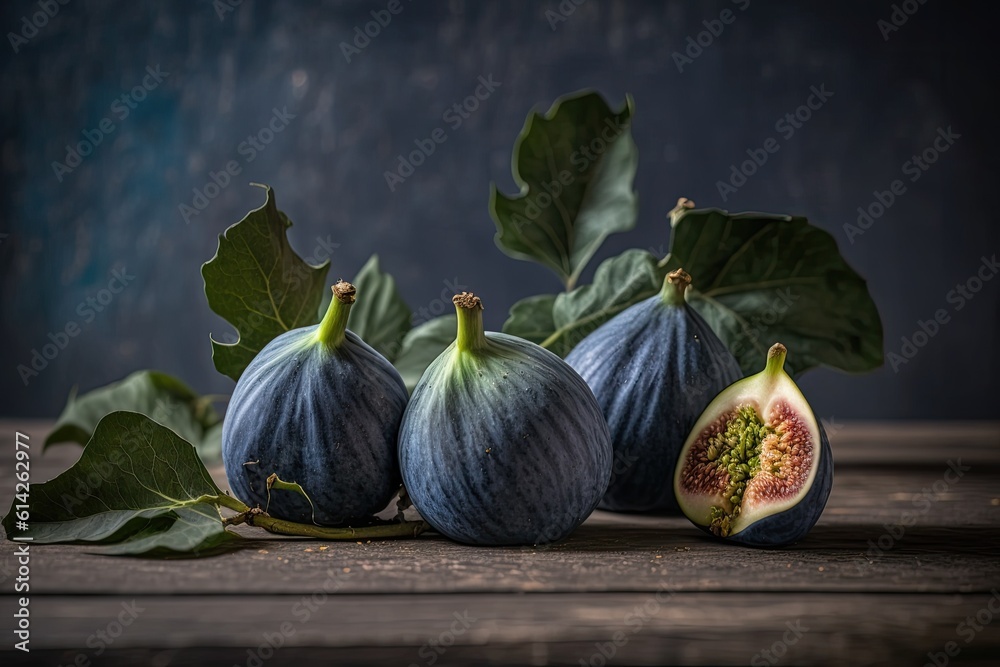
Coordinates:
[653,368]
[318,407]
[502,442]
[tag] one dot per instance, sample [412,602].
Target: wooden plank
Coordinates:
[915,443]
[862,543]
[567,629]
[861,442]
[904,552]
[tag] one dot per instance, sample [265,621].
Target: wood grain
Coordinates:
[656,627]
[904,551]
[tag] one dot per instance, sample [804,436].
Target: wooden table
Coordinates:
[905,553]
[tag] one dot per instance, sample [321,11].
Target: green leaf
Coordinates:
[422,345]
[276,483]
[379,316]
[159,396]
[531,318]
[574,167]
[619,282]
[760,278]
[133,483]
[189,531]
[260,286]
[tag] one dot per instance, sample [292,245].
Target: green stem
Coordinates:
[775,360]
[674,286]
[281,527]
[331,329]
[471,336]
[229,502]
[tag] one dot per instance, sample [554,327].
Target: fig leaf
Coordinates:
[761,278]
[619,282]
[258,284]
[574,167]
[159,396]
[422,345]
[379,316]
[137,485]
[758,278]
[531,318]
[188,531]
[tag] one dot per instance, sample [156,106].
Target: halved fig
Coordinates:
[756,468]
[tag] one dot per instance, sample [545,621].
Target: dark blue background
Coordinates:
[120,206]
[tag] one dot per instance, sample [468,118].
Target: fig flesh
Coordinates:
[756,468]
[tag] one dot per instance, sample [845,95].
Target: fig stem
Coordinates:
[331,330]
[471,336]
[674,287]
[775,359]
[255,517]
[281,527]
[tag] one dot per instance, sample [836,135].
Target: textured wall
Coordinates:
[220,80]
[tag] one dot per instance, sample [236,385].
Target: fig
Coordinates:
[502,442]
[318,407]
[756,469]
[653,368]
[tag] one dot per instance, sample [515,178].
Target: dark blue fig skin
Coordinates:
[325,418]
[794,523]
[654,368]
[509,450]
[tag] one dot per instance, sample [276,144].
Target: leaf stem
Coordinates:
[227,501]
